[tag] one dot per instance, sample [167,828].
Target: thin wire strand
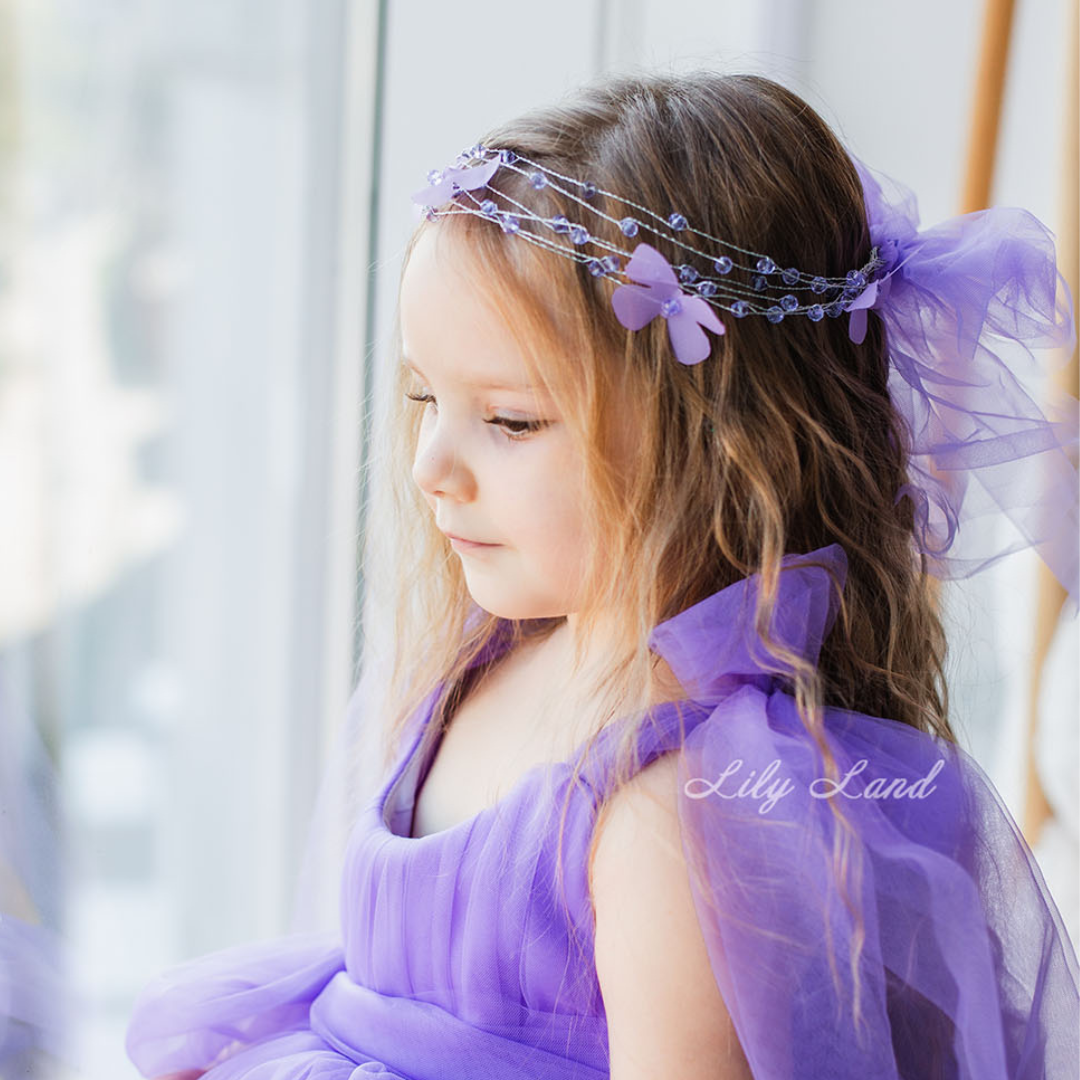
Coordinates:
[490,153]
[747,298]
[732,290]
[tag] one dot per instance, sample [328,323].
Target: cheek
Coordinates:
[549,497]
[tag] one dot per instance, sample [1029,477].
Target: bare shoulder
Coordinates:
[665,1013]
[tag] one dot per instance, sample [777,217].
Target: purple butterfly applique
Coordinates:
[876,294]
[859,306]
[659,293]
[465,178]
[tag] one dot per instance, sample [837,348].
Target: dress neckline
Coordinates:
[420,772]
[707,646]
[392,793]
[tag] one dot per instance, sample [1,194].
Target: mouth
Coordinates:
[459,543]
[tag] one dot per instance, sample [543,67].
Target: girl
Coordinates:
[684,420]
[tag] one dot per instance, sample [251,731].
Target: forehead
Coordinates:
[450,330]
[478,379]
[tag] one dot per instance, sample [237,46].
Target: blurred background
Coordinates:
[203,206]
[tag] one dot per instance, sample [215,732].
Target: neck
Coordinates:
[604,641]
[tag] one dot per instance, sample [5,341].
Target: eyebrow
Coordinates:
[481,384]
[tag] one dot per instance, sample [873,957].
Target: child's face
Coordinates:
[493,459]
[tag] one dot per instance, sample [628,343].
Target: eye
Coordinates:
[515,429]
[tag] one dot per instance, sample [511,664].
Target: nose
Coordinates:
[439,466]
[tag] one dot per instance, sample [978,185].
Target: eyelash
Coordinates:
[514,434]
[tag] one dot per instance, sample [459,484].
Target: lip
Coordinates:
[461,544]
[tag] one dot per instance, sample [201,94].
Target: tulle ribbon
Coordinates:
[965,968]
[963,304]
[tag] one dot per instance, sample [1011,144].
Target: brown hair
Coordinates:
[783,440]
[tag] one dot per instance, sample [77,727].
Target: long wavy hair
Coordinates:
[784,440]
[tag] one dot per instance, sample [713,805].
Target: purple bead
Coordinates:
[815,313]
[789,302]
[819,285]
[488,206]
[611,263]
[579,234]
[834,310]
[723,265]
[560,223]
[596,268]
[434,177]
[790,275]
[588,189]
[856,279]
[707,288]
[629,226]
[765,265]
[476,150]
[774,314]
[670,307]
[687,274]
[507,157]
[538,180]
[677,222]
[510,223]
[740,308]
[429,213]
[759,282]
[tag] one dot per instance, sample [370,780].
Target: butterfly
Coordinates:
[466,178]
[659,293]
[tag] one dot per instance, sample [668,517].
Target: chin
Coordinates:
[518,608]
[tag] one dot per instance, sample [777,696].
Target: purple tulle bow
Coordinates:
[963,304]
[659,293]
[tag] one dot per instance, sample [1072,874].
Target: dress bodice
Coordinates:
[471,921]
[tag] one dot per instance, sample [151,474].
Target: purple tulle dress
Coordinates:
[457,960]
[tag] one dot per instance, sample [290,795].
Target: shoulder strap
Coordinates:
[661,731]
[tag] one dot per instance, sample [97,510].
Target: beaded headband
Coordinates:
[743,282]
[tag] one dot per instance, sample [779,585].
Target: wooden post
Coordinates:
[989,92]
[1050,593]
[986,105]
